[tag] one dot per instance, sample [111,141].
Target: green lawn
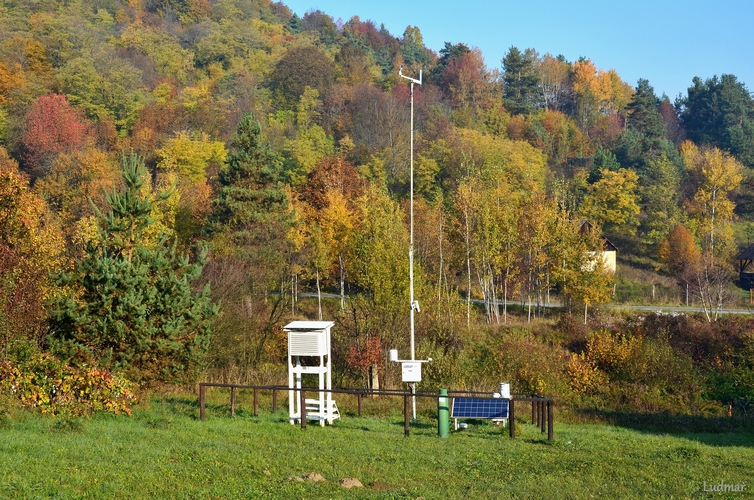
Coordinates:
[166,452]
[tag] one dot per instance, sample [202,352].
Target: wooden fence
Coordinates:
[542,408]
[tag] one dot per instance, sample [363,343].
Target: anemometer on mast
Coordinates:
[411,371]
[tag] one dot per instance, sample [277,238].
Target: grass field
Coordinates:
[164,451]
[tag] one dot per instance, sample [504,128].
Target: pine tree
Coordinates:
[659,192]
[522,92]
[250,228]
[252,193]
[644,114]
[645,137]
[131,306]
[252,213]
[720,112]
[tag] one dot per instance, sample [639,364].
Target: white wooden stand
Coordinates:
[310,339]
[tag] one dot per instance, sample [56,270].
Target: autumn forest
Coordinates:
[180,178]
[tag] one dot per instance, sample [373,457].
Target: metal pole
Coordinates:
[411,221]
[411,253]
[411,224]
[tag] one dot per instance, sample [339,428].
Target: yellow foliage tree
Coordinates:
[169,58]
[597,93]
[612,201]
[311,143]
[715,174]
[537,213]
[518,162]
[73,180]
[189,155]
[553,74]
[13,82]
[30,249]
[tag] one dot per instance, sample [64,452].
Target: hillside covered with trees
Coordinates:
[174,172]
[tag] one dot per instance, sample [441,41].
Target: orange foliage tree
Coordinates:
[53,127]
[679,250]
[74,181]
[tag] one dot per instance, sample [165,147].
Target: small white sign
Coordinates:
[412,372]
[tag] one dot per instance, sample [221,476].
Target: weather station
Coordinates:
[411,368]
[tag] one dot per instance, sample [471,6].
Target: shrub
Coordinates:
[443,371]
[529,364]
[717,344]
[611,352]
[735,388]
[584,377]
[573,330]
[43,382]
[646,374]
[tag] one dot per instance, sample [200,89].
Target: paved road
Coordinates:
[656,308]
[681,309]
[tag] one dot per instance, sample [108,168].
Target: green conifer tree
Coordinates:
[522,94]
[252,213]
[251,219]
[644,114]
[130,304]
[252,191]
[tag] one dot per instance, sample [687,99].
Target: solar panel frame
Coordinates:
[491,408]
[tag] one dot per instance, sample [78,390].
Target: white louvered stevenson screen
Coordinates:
[307,343]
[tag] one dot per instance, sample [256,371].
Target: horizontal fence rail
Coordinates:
[542,408]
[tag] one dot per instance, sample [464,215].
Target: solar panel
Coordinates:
[479,408]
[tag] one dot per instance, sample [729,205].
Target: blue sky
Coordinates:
[666,42]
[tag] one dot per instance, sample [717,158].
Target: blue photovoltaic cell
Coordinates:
[479,408]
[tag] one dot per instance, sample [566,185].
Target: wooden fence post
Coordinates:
[550,436]
[533,411]
[274,401]
[544,416]
[303,408]
[201,401]
[406,429]
[256,402]
[232,402]
[358,397]
[512,419]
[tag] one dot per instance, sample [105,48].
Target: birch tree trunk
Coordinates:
[342,291]
[319,298]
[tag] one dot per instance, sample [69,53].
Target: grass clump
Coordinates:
[67,425]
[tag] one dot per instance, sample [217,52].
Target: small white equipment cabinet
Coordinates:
[309,341]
